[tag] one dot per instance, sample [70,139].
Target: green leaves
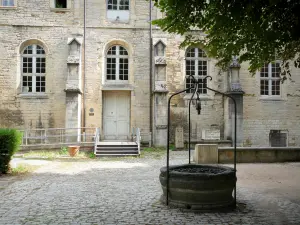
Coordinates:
[258,31]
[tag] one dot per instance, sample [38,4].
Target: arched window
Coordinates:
[117,64]
[196,65]
[33,69]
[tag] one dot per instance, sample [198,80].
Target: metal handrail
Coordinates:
[97,137]
[57,136]
[138,139]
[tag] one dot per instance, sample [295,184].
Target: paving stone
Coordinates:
[125,192]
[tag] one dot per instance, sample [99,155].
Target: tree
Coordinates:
[258,31]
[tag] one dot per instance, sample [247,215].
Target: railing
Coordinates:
[138,139]
[97,138]
[51,136]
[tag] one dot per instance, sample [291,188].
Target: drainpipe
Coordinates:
[84,64]
[151,74]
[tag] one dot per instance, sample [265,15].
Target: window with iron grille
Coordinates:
[33,69]
[117,67]
[118,5]
[61,4]
[196,65]
[278,138]
[270,79]
[7,3]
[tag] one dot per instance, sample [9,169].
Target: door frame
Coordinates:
[128,93]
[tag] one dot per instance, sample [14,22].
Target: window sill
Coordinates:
[34,96]
[271,98]
[8,7]
[60,9]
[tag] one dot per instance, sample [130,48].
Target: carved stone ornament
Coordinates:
[73,59]
[160,86]
[160,60]
[235,63]
[236,87]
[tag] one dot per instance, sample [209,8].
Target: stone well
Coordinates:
[197,187]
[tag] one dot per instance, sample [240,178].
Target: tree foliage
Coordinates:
[258,31]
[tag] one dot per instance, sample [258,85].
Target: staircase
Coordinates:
[116,149]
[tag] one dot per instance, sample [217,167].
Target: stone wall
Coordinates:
[51,28]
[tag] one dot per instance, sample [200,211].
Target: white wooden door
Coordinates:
[116,115]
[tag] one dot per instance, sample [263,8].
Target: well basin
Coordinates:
[195,186]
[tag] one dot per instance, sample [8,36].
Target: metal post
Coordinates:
[168,140]
[196,89]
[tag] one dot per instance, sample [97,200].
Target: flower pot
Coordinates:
[73,150]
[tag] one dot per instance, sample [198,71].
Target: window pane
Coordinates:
[202,68]
[191,52]
[189,84]
[28,50]
[40,65]
[264,87]
[112,5]
[276,87]
[111,69]
[202,86]
[201,53]
[27,84]
[112,51]
[7,2]
[61,4]
[264,71]
[190,67]
[124,5]
[39,50]
[123,69]
[275,70]
[122,51]
[40,84]
[27,65]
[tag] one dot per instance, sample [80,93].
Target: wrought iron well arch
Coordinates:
[195,85]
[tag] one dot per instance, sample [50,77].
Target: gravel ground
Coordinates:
[127,191]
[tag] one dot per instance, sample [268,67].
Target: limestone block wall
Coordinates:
[262,115]
[32,111]
[212,104]
[137,44]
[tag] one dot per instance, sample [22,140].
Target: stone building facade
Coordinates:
[119,76]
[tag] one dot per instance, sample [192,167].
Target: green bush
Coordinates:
[10,141]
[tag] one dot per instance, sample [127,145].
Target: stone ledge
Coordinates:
[8,7]
[259,154]
[35,96]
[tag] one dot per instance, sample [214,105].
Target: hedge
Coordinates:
[10,141]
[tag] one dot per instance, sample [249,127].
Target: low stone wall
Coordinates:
[259,154]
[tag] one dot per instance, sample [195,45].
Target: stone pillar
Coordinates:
[73,90]
[235,90]
[160,106]
[179,142]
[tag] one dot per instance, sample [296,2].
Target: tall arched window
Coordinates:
[196,65]
[117,64]
[33,69]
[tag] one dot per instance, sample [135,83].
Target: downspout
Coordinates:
[84,65]
[151,75]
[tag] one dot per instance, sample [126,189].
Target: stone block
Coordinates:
[206,153]
[179,143]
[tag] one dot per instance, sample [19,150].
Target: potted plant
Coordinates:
[73,150]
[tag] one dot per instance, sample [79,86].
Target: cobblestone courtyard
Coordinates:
[127,191]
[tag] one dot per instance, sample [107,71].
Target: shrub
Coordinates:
[10,141]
